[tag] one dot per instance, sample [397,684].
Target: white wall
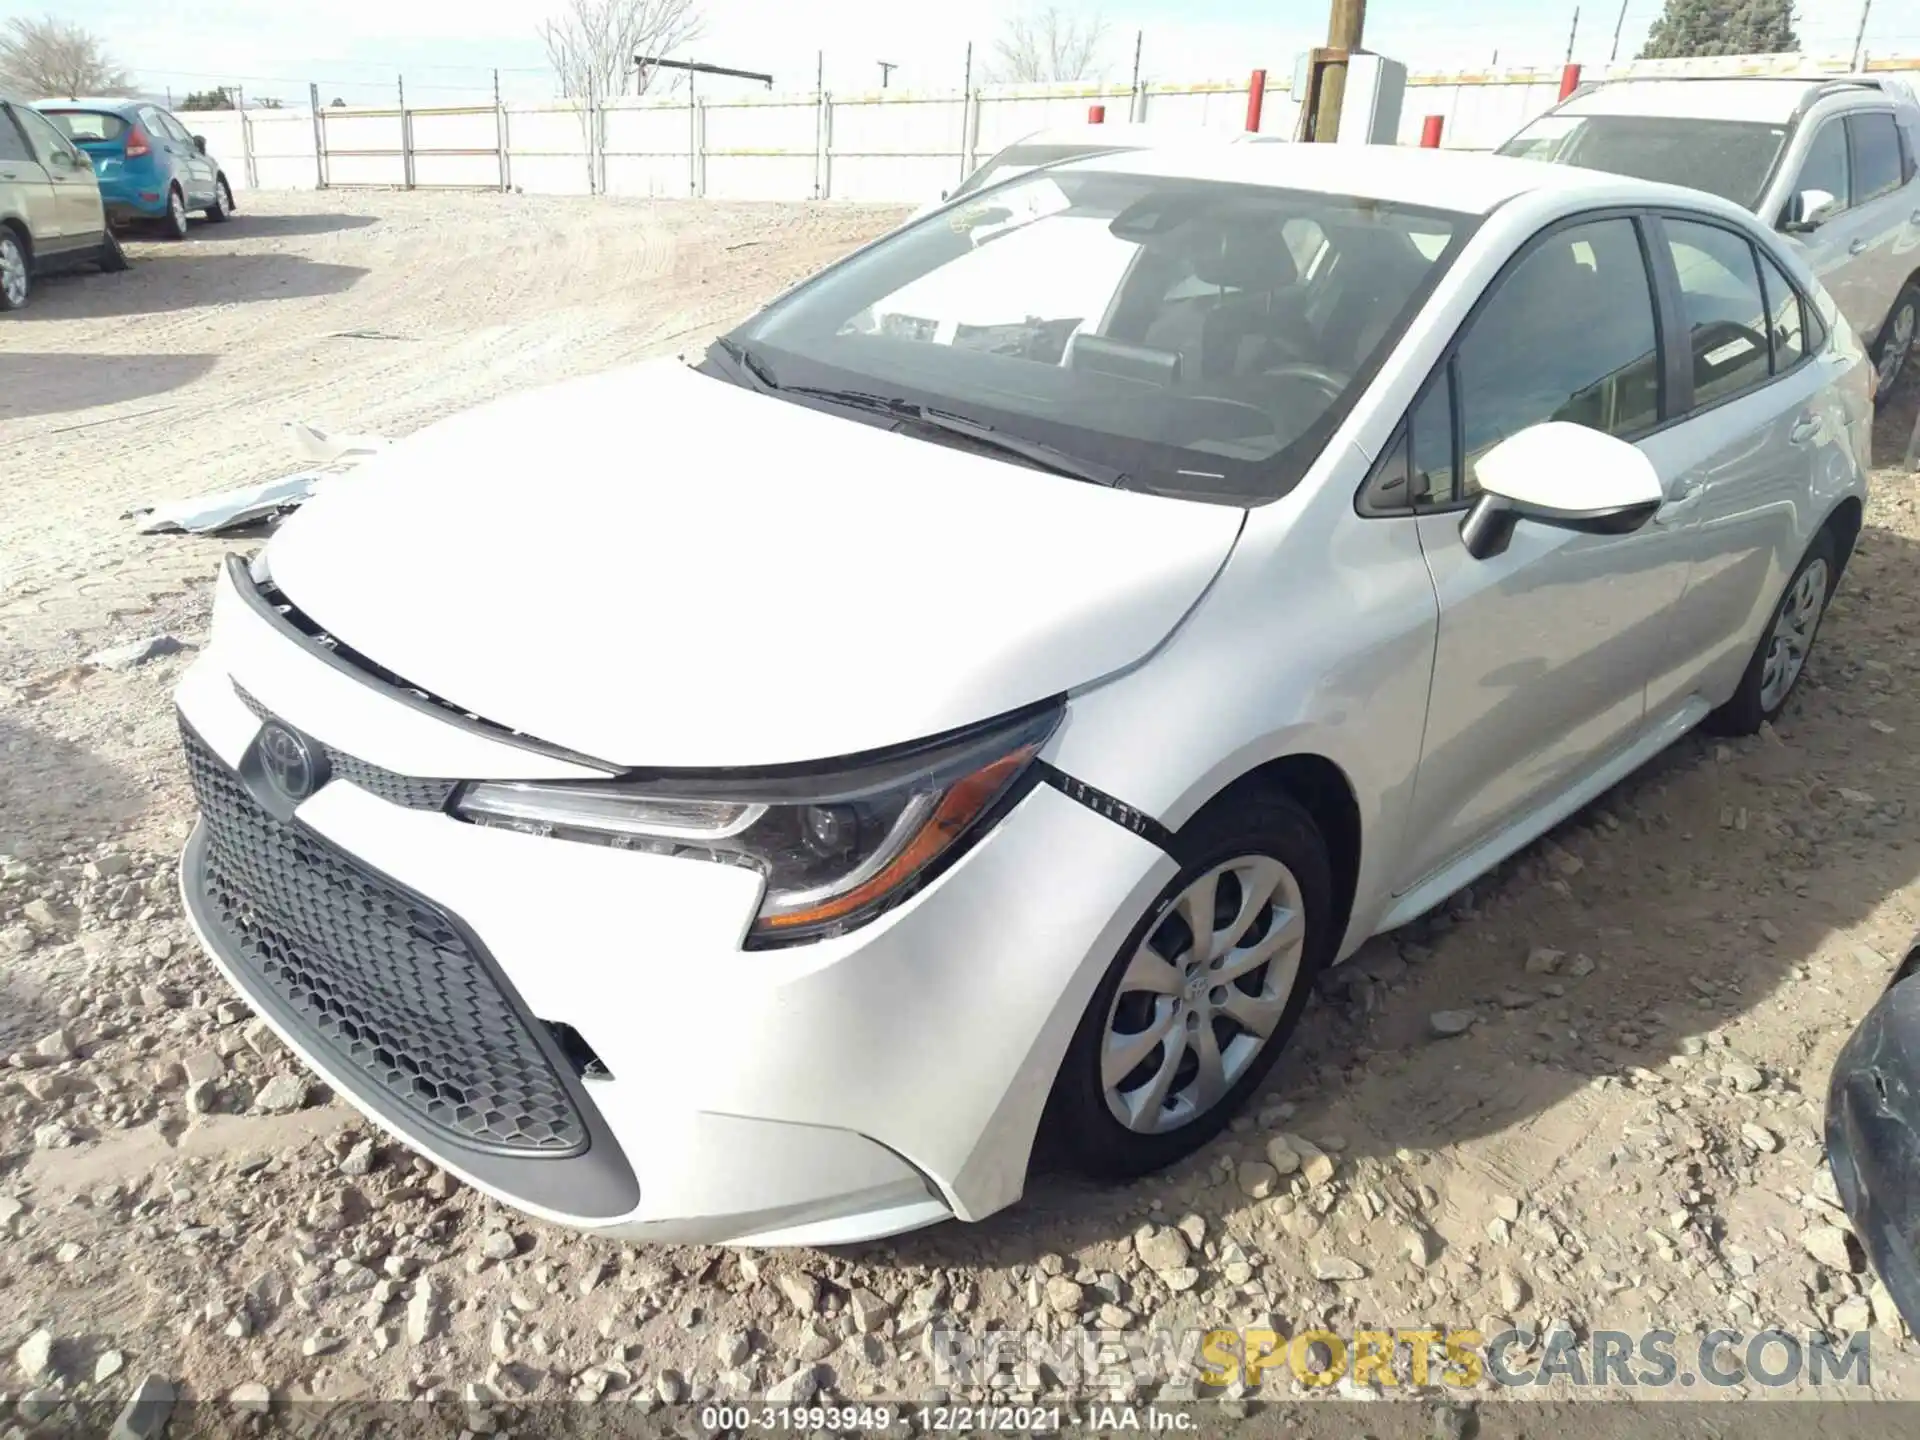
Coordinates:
[884,145]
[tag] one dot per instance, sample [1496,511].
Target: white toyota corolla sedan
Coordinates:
[753,801]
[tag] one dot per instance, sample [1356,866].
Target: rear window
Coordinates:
[87,126]
[1728,158]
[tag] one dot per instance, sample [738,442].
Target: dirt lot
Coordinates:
[1627,1136]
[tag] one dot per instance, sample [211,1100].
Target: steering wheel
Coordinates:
[1329,382]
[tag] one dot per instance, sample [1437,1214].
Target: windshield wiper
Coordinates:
[1034,452]
[748,363]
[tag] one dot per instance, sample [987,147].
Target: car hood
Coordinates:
[659,568]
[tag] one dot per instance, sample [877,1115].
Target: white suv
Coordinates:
[1831,163]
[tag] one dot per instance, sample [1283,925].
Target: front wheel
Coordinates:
[16,274]
[1781,656]
[175,223]
[1199,1002]
[1896,340]
[222,206]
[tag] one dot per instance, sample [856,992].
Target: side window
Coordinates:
[1417,470]
[1569,335]
[1726,315]
[1909,143]
[150,120]
[174,127]
[47,142]
[1877,169]
[1786,324]
[1826,167]
[13,145]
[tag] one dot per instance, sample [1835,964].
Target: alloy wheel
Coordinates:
[13,271]
[1893,356]
[1793,635]
[177,211]
[1202,994]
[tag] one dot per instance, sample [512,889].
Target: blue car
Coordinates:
[150,167]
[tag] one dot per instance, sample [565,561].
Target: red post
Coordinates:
[1256,98]
[1430,132]
[1096,114]
[1569,80]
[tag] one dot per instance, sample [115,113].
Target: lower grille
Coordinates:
[382,982]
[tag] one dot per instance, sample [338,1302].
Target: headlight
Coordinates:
[838,844]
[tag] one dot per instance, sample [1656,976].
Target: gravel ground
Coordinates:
[1625,1137]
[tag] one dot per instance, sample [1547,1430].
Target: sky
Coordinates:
[447,50]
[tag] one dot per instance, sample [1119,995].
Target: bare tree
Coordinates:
[1046,44]
[592,44]
[56,57]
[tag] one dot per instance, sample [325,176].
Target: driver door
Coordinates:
[1544,651]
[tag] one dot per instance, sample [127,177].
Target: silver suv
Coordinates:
[1832,163]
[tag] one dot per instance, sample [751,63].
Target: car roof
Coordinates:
[1465,182]
[1763,99]
[1130,133]
[113,103]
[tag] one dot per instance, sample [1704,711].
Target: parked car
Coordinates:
[150,166]
[1873,1135]
[51,215]
[954,731]
[1072,142]
[1830,163]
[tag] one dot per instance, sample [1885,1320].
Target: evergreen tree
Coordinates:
[1721,27]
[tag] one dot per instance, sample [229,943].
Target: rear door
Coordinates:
[76,193]
[24,188]
[196,168]
[172,149]
[1885,202]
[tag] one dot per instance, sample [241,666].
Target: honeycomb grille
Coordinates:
[381,982]
[396,789]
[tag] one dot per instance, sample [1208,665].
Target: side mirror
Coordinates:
[1810,208]
[1563,475]
[200,143]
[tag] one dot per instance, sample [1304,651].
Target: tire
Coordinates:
[1264,831]
[174,224]
[1761,697]
[112,259]
[222,207]
[16,270]
[1895,346]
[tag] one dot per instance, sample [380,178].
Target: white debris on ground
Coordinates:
[1586,1094]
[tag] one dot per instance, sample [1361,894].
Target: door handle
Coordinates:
[1857,246]
[1680,506]
[1804,429]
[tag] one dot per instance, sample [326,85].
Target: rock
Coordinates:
[1760,1138]
[17,940]
[134,652]
[799,1388]
[1743,1077]
[1852,1314]
[144,1416]
[1832,1247]
[359,1160]
[1423,1246]
[1316,1166]
[39,1403]
[671,1387]
[320,1342]
[56,1047]
[108,1364]
[499,1245]
[1769,932]
[252,1397]
[1065,1296]
[11,1213]
[203,1067]
[1886,1314]
[1161,1248]
[1447,1023]
[802,1291]
[1514,1292]
[203,1098]
[870,1312]
[1181,1278]
[1542,961]
[282,1095]
[35,1356]
[1338,1267]
[1282,1156]
[426,1311]
[69,1251]
[1256,1180]
[733,1348]
[1507,1208]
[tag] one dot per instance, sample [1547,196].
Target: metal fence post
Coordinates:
[972,156]
[826,146]
[500,135]
[319,139]
[700,148]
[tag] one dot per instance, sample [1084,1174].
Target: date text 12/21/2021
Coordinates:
[744,1419]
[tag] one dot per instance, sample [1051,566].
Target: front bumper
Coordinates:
[842,1090]
[1873,1135]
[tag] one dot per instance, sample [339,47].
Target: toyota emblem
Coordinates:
[288,762]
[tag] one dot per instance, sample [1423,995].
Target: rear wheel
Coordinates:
[1896,340]
[1781,656]
[112,259]
[16,272]
[1199,1002]
[222,206]
[175,223]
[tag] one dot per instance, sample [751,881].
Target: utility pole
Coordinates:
[1618,25]
[887,67]
[1344,26]
[1860,35]
[1572,35]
